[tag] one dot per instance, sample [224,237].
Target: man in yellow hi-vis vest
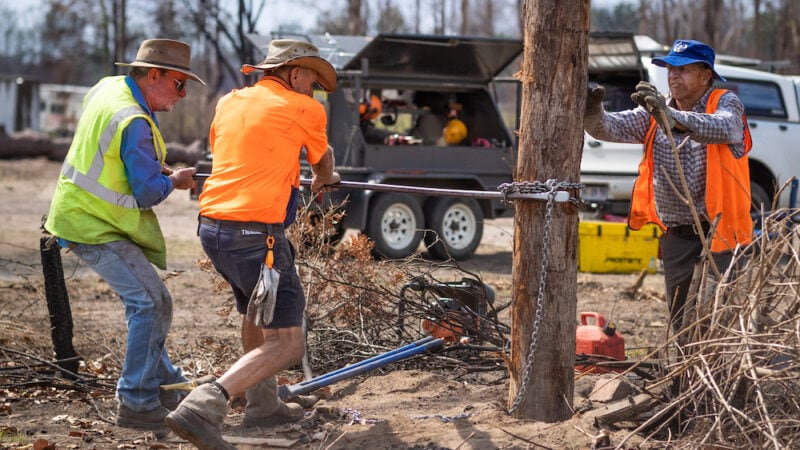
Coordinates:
[113,174]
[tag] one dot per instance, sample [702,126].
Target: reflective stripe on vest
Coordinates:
[89,182]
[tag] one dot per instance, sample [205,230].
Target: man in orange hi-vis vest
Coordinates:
[251,196]
[713,161]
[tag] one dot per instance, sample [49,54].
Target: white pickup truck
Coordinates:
[771,105]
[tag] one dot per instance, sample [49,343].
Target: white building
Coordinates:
[60,108]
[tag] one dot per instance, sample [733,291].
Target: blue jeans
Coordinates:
[148,313]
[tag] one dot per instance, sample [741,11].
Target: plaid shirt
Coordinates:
[725,126]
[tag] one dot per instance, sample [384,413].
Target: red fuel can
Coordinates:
[598,338]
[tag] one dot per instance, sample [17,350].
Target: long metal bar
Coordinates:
[321,381]
[560,196]
[382,356]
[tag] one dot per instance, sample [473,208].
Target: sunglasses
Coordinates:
[179,85]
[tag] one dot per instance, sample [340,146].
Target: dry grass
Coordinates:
[732,376]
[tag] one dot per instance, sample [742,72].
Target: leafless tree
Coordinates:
[390,19]
[543,312]
[227,33]
[464,17]
[417,16]
[355,22]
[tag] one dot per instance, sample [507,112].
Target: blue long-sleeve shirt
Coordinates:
[150,187]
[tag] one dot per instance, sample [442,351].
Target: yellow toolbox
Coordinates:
[611,247]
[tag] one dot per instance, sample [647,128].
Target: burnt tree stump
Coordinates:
[58,307]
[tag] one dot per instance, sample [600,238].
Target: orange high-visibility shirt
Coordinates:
[256,139]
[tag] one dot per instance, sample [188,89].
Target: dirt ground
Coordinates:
[394,408]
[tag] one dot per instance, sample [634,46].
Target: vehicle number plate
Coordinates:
[594,192]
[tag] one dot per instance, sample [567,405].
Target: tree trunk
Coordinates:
[354,19]
[417,17]
[487,23]
[554,81]
[58,308]
[120,35]
[712,22]
[464,17]
[756,28]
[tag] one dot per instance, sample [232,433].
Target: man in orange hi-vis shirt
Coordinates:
[250,197]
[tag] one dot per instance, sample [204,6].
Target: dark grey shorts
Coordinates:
[238,249]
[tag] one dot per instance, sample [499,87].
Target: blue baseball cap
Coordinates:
[685,52]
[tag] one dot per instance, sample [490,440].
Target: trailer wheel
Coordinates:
[456,228]
[395,225]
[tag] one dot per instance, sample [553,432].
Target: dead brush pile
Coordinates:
[358,307]
[731,377]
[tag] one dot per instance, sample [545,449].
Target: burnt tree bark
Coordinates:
[554,80]
[58,306]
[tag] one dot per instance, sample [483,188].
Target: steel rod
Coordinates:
[305,387]
[560,196]
[382,356]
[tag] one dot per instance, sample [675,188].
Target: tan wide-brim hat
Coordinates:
[291,52]
[165,54]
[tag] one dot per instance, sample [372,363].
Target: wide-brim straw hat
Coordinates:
[292,52]
[165,54]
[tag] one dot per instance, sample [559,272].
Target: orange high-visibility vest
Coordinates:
[727,188]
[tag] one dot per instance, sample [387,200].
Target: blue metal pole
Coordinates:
[404,352]
[370,360]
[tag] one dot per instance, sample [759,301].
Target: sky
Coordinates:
[276,12]
[281,12]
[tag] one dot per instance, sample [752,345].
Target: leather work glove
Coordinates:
[594,101]
[648,97]
[643,89]
[261,306]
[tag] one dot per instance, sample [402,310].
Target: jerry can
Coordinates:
[598,338]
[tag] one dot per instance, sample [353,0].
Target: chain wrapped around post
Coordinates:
[551,186]
[538,187]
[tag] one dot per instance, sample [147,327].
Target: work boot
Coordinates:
[265,409]
[171,399]
[152,420]
[200,416]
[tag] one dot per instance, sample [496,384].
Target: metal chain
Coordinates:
[537,187]
[552,186]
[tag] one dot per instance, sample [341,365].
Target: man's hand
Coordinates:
[182,178]
[323,174]
[326,184]
[648,97]
[594,101]
[643,89]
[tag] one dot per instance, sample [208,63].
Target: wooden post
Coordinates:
[58,306]
[554,79]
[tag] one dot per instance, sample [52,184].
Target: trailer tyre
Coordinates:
[395,225]
[456,228]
